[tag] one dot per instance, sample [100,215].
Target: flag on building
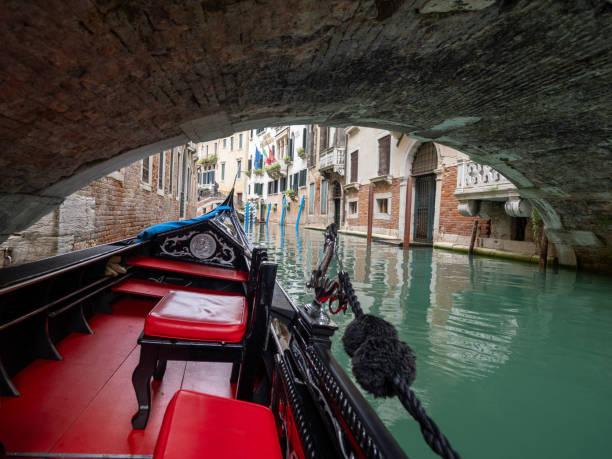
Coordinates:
[258,159]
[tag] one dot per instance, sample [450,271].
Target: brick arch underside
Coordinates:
[523,86]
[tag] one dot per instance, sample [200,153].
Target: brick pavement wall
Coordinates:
[111,208]
[124,208]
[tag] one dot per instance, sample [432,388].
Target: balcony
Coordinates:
[478,181]
[332,160]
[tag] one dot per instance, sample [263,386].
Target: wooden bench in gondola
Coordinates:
[193,269]
[145,287]
[70,308]
[195,423]
[190,326]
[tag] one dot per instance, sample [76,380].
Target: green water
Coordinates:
[509,364]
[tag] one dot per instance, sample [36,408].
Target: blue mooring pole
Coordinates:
[283,214]
[246,217]
[300,212]
[268,215]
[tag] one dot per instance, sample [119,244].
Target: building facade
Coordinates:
[158,188]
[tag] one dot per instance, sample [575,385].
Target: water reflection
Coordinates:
[502,351]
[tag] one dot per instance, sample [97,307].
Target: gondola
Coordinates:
[180,343]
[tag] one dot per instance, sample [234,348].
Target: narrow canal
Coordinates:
[509,364]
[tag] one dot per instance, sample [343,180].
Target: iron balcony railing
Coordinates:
[332,160]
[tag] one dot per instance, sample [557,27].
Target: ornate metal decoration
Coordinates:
[202,246]
[176,246]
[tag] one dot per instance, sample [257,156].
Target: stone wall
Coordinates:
[114,207]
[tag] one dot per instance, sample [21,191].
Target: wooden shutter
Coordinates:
[384,155]
[323,134]
[354,163]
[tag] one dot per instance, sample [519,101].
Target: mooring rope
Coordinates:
[385,366]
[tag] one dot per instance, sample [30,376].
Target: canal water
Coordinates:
[509,363]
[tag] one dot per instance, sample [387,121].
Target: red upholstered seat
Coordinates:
[200,425]
[198,317]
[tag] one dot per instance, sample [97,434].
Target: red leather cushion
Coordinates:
[198,317]
[200,425]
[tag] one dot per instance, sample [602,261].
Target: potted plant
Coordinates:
[274,170]
[287,159]
[248,173]
[290,193]
[300,152]
[257,171]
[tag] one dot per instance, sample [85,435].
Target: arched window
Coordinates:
[425,159]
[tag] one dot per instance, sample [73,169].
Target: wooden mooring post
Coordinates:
[543,252]
[473,240]
[370,211]
[408,213]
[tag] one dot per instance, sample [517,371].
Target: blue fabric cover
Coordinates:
[154,230]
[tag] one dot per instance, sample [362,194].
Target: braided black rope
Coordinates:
[431,433]
[348,289]
[363,340]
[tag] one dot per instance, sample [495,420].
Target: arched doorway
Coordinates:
[337,197]
[423,167]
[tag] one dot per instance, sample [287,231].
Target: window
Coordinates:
[303,178]
[239,199]
[224,143]
[170,179]
[240,141]
[270,187]
[160,175]
[304,139]
[382,205]
[352,208]
[354,166]
[222,171]
[207,151]
[425,160]
[258,188]
[295,181]
[283,184]
[232,143]
[250,164]
[291,147]
[146,170]
[215,148]
[324,185]
[311,198]
[275,186]
[384,155]
[238,168]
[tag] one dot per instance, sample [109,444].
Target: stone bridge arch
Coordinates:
[522,86]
